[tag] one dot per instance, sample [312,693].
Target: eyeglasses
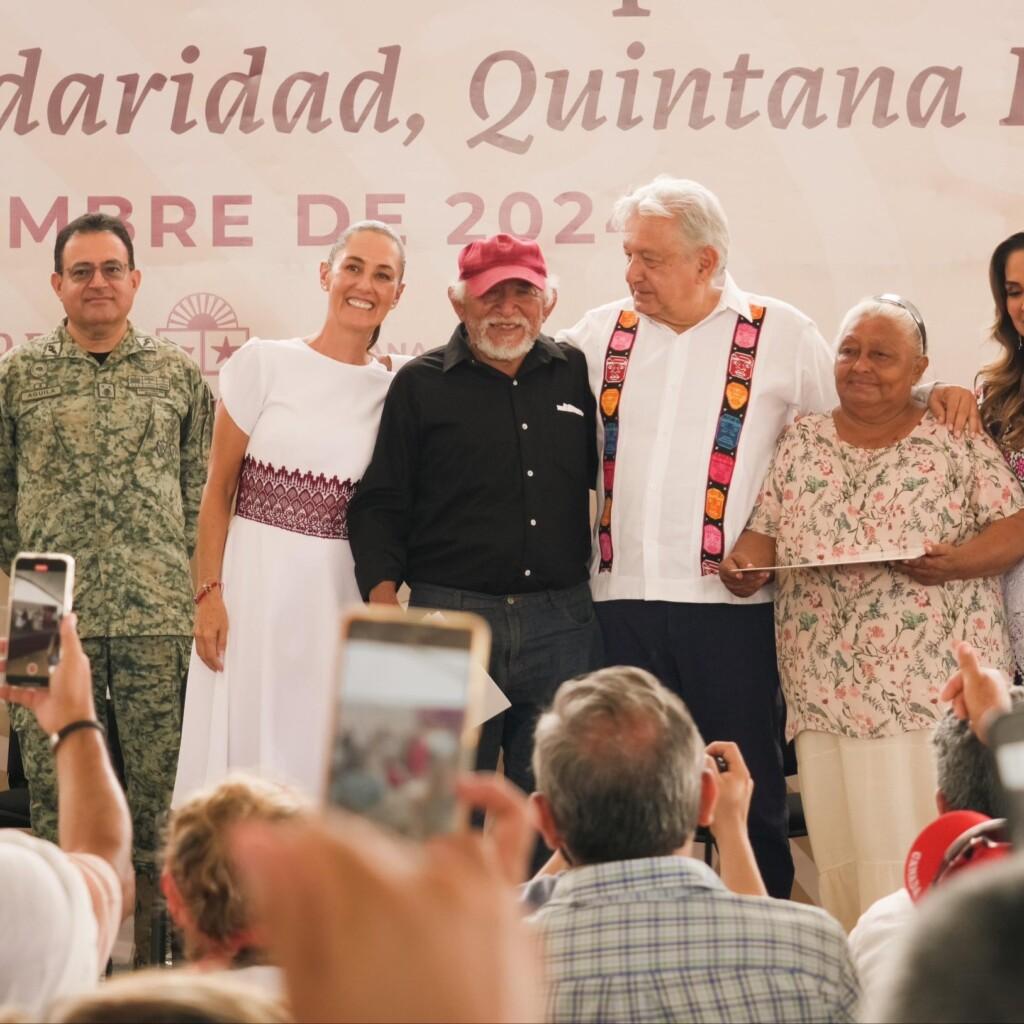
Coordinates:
[83,273]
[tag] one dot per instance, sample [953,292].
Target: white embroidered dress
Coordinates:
[312,422]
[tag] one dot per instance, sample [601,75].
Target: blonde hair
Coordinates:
[157,996]
[196,853]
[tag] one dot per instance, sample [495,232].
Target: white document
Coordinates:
[494,701]
[864,558]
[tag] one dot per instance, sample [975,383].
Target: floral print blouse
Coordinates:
[863,650]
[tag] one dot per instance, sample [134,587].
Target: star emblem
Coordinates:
[224,350]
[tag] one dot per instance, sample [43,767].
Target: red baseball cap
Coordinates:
[499,258]
[952,842]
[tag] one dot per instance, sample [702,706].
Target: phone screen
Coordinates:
[1006,739]
[398,741]
[37,604]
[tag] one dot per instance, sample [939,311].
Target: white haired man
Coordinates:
[695,379]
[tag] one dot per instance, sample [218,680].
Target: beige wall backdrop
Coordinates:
[213,120]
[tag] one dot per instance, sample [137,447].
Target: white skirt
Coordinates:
[1013,598]
[865,801]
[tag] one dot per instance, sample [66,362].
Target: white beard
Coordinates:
[503,353]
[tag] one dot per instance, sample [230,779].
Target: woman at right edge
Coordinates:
[1001,400]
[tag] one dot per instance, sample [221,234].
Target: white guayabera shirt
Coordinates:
[668,416]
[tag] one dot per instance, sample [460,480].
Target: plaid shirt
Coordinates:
[662,939]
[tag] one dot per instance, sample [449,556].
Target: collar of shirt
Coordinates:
[731,297]
[621,878]
[458,351]
[70,348]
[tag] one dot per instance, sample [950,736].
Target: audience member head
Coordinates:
[965,768]
[204,896]
[171,997]
[48,929]
[961,960]
[620,769]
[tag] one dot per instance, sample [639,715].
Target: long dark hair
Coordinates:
[1002,400]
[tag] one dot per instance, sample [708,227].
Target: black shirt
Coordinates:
[478,480]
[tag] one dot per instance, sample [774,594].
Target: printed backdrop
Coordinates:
[856,148]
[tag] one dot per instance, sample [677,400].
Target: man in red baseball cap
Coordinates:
[478,493]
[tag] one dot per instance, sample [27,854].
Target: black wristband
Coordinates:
[57,738]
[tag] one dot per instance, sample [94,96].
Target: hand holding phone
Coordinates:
[1006,740]
[40,596]
[406,689]
[68,698]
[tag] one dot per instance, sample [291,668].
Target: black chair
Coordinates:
[14,808]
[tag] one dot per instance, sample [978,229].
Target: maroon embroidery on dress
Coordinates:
[300,502]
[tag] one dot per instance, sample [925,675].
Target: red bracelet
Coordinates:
[205,589]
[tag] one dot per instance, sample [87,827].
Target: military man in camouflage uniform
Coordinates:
[104,438]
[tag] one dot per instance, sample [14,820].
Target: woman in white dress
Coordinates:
[294,431]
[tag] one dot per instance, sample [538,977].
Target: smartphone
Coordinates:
[1006,741]
[40,596]
[407,689]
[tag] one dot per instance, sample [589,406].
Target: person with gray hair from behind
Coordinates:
[967,780]
[695,379]
[637,929]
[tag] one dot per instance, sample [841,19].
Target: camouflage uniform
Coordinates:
[107,463]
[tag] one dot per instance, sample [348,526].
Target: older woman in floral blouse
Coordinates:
[864,646]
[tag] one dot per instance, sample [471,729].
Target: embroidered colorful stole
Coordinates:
[731,417]
[732,414]
[616,362]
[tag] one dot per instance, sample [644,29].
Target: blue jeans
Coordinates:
[537,642]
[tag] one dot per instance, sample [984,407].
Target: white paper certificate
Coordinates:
[861,558]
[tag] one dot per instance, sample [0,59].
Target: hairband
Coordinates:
[908,307]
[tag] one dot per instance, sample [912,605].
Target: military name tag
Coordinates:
[35,393]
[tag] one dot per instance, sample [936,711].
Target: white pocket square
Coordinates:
[569,407]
